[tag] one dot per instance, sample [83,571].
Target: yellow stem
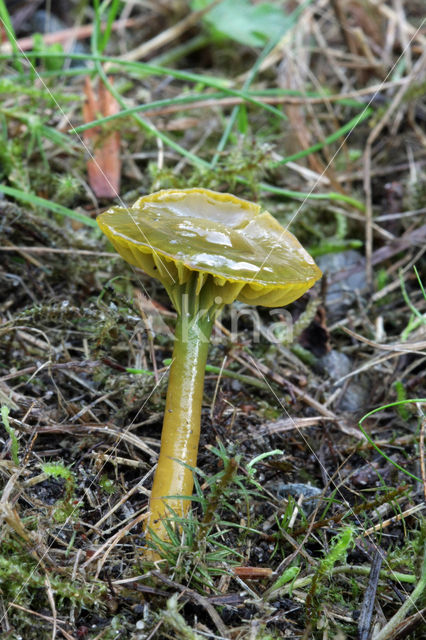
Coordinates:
[181,426]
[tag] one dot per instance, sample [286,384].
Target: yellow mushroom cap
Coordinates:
[175,232]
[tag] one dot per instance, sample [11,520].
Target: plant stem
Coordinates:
[210,368]
[181,426]
[402,612]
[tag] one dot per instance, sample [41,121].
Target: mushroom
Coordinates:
[207,249]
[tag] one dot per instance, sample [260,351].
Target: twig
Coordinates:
[105,430]
[84,364]
[198,598]
[168,35]
[259,368]
[391,521]
[357,509]
[67,635]
[111,543]
[68,35]
[402,631]
[289,424]
[364,622]
[141,302]
[405,26]
[51,600]
[137,487]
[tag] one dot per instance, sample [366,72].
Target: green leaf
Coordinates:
[249,24]
[242,120]
[289,575]
[52,64]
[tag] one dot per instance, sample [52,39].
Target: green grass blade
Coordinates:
[371,441]
[112,14]
[36,201]
[10,33]
[299,195]
[143,69]
[347,128]
[236,110]
[157,104]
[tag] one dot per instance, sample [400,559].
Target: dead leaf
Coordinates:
[104,165]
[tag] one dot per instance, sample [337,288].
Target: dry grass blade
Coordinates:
[106,430]
[415,75]
[410,346]
[101,554]
[49,619]
[68,36]
[169,35]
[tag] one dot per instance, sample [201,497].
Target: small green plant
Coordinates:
[342,543]
[197,548]
[14,445]
[107,484]
[288,576]
[25,581]
[241,21]
[176,622]
[21,575]
[401,396]
[417,594]
[193,547]
[382,279]
[52,63]
[67,189]
[10,34]
[417,319]
[67,507]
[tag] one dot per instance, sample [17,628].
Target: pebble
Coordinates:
[355,394]
[342,292]
[336,364]
[43,22]
[346,276]
[296,489]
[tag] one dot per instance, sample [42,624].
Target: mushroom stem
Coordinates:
[181,427]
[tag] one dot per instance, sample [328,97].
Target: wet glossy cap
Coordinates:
[178,233]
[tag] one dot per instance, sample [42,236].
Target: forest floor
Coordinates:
[309,514]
